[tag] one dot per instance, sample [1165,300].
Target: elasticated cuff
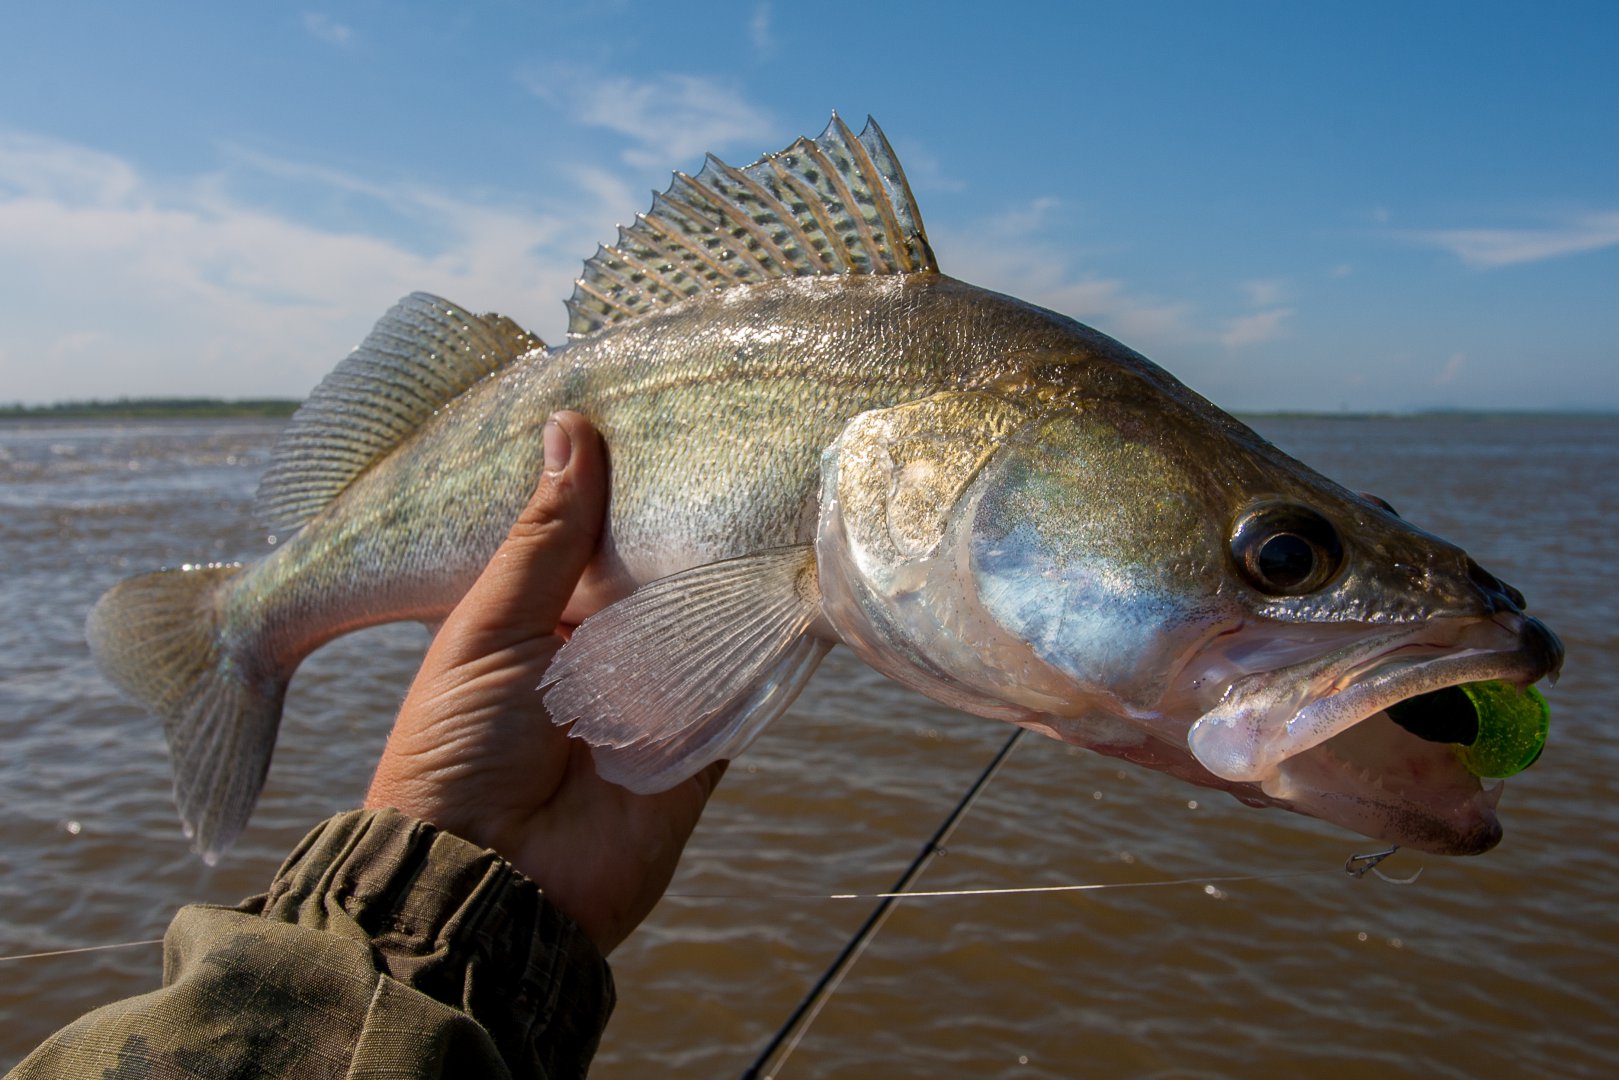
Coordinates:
[458,923]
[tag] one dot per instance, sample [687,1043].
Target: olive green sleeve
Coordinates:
[384,948]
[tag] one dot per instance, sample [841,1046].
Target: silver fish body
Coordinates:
[817,437]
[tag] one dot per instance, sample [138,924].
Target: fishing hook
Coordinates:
[1369,862]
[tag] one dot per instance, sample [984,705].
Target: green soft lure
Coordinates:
[1512,728]
[1499,729]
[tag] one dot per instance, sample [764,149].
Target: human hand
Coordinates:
[473,751]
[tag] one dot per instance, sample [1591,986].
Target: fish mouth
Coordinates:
[1317,735]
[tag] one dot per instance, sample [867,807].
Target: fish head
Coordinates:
[1133,571]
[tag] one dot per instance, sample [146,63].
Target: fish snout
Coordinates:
[1498,595]
[1543,648]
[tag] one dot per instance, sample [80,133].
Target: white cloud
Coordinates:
[1452,369]
[1145,322]
[1263,293]
[1488,249]
[1261,326]
[306,172]
[32,167]
[1026,221]
[115,284]
[759,33]
[1014,252]
[671,120]
[1257,327]
[324,28]
[923,169]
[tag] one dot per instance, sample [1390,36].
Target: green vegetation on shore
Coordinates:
[152,408]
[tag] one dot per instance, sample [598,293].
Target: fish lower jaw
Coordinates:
[1379,780]
[1284,782]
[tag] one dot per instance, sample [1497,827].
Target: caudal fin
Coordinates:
[158,637]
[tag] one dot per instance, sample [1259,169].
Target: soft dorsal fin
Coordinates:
[836,205]
[419,357]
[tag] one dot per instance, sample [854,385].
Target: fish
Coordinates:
[817,437]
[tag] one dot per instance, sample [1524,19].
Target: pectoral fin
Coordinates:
[689,669]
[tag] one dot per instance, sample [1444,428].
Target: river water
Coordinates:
[1223,941]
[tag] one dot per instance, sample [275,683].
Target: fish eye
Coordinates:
[1283,549]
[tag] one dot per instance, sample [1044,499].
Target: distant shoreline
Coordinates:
[281,408]
[153,409]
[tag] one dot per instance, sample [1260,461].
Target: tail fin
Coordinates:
[158,637]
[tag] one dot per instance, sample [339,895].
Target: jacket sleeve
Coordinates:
[384,948]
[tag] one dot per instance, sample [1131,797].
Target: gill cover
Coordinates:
[1014,560]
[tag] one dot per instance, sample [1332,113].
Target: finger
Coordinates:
[526,586]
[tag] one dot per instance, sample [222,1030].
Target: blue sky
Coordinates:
[1300,206]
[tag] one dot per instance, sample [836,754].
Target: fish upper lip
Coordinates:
[1265,718]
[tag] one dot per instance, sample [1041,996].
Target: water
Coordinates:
[1505,965]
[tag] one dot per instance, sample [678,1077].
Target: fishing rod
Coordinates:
[788,1036]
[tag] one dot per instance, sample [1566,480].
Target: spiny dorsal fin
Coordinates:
[835,205]
[419,357]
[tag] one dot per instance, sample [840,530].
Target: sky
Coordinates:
[1366,207]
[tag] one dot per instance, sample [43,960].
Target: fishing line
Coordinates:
[919,894]
[1013,890]
[81,949]
[787,1037]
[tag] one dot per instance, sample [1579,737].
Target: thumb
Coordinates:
[525,588]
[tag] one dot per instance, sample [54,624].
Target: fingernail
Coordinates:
[558,447]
